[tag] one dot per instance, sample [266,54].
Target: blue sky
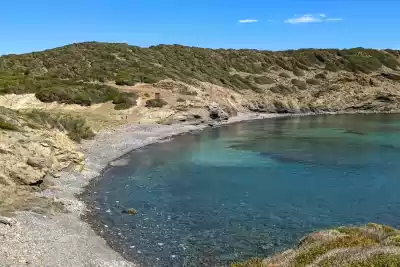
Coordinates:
[28,25]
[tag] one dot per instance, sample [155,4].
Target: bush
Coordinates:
[5,125]
[331,67]
[313,81]
[124,101]
[298,72]
[180,99]
[263,80]
[284,75]
[274,68]
[281,89]
[156,103]
[75,126]
[320,76]
[187,91]
[124,82]
[127,65]
[299,84]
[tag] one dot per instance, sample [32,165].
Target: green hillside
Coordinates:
[75,73]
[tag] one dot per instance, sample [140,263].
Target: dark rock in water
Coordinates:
[282,158]
[389,146]
[130,211]
[355,132]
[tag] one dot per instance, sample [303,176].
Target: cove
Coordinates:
[249,189]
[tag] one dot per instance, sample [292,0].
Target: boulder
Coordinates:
[216,112]
[130,211]
[27,175]
[39,162]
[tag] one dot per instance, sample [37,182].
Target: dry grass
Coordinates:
[372,245]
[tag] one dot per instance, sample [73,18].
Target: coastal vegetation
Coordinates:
[75,73]
[371,245]
[74,126]
[156,103]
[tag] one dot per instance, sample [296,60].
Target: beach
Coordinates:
[65,239]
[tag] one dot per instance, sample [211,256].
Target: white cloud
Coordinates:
[334,19]
[248,20]
[311,19]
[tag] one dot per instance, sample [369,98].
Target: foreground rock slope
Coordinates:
[370,245]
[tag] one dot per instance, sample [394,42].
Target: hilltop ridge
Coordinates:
[287,81]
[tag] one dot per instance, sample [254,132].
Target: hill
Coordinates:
[76,73]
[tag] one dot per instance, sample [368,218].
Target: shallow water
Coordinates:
[250,189]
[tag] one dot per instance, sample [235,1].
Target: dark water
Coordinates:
[251,189]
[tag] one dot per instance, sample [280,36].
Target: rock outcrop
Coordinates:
[369,245]
[31,157]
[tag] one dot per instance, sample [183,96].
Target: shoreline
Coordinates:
[68,239]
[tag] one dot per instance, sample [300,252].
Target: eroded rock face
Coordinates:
[216,112]
[26,158]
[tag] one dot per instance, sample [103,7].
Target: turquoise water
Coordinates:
[250,189]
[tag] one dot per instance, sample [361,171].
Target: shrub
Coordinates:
[5,125]
[146,95]
[362,63]
[313,81]
[331,67]
[75,126]
[263,80]
[334,87]
[187,91]
[127,65]
[124,101]
[320,76]
[299,84]
[284,75]
[156,103]
[124,82]
[274,68]
[281,89]
[180,99]
[298,72]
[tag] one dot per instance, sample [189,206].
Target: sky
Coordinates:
[32,25]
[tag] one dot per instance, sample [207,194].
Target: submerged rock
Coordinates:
[130,211]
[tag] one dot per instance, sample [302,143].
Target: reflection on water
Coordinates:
[250,189]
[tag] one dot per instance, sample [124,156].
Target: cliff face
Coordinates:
[32,152]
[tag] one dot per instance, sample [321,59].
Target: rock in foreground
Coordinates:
[370,245]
